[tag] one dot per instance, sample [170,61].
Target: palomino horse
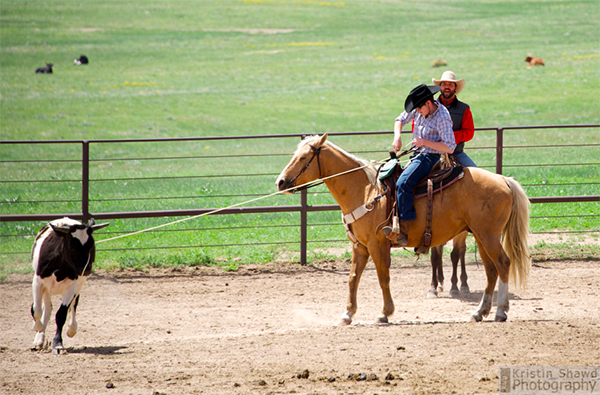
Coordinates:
[459,249]
[492,207]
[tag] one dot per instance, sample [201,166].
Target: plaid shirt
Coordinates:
[435,127]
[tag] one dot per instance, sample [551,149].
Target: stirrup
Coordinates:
[397,238]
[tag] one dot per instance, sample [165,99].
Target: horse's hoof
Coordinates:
[465,290]
[476,317]
[454,293]
[432,294]
[345,319]
[501,317]
[382,319]
[441,288]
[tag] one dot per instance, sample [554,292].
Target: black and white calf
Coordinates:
[82,60]
[62,256]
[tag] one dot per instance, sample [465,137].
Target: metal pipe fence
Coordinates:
[102,159]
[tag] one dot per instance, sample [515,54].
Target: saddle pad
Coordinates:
[455,175]
[387,169]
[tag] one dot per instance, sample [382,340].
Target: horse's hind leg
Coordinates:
[360,255]
[503,304]
[436,267]
[496,264]
[483,310]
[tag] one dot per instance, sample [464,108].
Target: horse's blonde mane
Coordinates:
[368,168]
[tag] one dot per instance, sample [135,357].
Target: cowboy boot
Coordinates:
[395,234]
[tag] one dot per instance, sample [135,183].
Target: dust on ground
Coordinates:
[272,329]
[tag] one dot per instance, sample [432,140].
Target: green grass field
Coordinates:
[254,67]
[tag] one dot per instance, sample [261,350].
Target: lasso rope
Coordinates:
[306,185]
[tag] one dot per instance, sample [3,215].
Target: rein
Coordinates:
[316,152]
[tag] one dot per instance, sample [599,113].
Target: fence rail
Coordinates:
[303,208]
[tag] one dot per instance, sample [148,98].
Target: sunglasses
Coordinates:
[419,107]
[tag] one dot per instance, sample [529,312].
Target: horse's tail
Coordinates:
[515,233]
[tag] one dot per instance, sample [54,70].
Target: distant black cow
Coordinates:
[45,70]
[62,257]
[82,60]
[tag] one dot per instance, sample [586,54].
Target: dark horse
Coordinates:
[459,249]
[492,207]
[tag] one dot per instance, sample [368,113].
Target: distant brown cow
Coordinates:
[534,61]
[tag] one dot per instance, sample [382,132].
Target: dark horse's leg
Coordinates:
[459,250]
[437,271]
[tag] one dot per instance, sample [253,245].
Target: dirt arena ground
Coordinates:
[256,331]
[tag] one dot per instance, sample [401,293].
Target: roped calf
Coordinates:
[62,257]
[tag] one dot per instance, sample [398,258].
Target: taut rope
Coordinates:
[303,186]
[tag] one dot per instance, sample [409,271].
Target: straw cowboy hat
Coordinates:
[449,76]
[419,95]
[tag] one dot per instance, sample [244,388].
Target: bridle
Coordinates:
[316,152]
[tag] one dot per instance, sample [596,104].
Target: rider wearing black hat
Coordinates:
[432,136]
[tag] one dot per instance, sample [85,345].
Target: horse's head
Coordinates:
[304,166]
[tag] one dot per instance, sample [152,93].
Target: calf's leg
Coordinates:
[72,327]
[61,317]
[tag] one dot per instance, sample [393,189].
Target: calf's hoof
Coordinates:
[72,331]
[38,342]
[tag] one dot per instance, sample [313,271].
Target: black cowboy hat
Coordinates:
[420,95]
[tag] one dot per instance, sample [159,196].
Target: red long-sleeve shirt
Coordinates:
[467,129]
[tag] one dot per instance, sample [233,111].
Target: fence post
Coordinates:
[303,226]
[85,181]
[499,144]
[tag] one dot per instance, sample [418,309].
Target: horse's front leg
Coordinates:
[360,255]
[379,253]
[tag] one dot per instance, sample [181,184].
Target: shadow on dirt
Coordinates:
[102,350]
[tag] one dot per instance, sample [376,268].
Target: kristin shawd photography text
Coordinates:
[555,380]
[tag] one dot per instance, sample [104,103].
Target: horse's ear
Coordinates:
[323,139]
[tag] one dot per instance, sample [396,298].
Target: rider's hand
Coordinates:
[418,142]
[397,144]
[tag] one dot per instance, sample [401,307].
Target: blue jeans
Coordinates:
[419,167]
[464,160]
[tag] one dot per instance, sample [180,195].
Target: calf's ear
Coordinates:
[99,226]
[61,229]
